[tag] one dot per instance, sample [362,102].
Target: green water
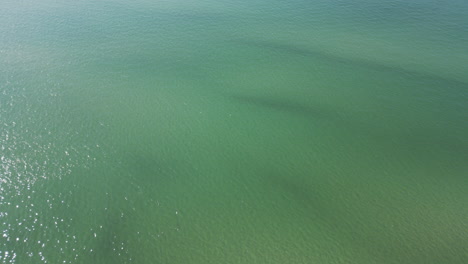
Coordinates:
[187,131]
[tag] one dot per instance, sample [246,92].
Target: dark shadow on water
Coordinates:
[418,141]
[305,195]
[285,105]
[350,61]
[315,201]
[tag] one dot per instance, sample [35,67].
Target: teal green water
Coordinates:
[189,131]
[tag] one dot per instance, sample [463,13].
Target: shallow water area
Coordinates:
[233,131]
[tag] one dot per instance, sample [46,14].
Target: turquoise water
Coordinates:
[256,131]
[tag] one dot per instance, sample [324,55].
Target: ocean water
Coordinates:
[188,131]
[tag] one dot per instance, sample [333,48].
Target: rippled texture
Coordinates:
[185,131]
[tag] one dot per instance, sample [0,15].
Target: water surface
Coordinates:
[234,131]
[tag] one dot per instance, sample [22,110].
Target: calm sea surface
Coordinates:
[247,131]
